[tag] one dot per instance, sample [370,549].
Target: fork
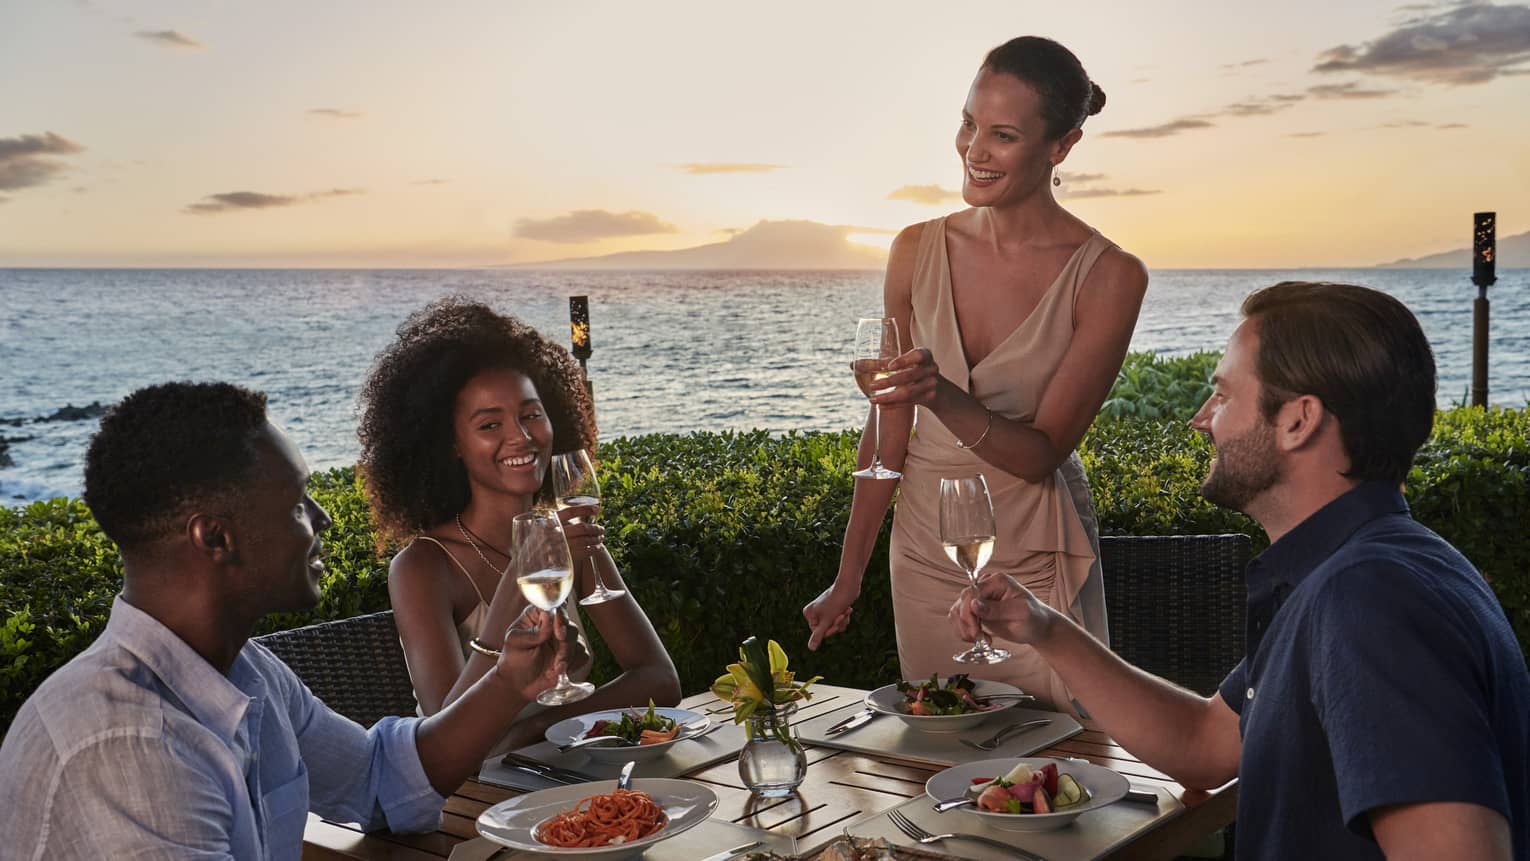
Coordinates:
[921,836]
[992,741]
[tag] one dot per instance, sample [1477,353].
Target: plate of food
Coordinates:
[645,733]
[1028,793]
[588,820]
[954,705]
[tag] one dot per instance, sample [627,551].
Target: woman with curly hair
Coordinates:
[460,418]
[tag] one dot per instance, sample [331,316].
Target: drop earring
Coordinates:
[1056,180]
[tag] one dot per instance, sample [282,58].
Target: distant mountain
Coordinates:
[767,245]
[1513,253]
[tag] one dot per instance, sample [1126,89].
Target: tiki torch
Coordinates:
[1483,249]
[579,334]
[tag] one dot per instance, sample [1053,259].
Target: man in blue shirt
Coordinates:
[173,736]
[1383,706]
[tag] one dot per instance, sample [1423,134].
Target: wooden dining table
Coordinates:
[841,788]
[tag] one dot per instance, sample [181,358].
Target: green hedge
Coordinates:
[725,535]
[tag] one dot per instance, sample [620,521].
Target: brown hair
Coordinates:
[1362,353]
[1067,94]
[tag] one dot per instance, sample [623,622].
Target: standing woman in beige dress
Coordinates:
[1020,315]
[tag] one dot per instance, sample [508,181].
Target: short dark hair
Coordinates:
[167,451]
[1067,94]
[1363,354]
[414,480]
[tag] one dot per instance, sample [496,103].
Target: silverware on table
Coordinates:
[734,852]
[919,835]
[860,718]
[994,740]
[542,769]
[952,804]
[624,780]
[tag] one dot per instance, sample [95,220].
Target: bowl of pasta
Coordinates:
[596,819]
[639,734]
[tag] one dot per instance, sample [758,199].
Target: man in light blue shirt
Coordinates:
[173,736]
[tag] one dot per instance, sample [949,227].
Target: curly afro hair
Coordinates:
[414,480]
[168,451]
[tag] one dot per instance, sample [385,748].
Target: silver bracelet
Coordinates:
[983,436]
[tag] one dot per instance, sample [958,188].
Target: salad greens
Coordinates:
[637,727]
[955,697]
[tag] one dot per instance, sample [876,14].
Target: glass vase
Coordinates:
[772,763]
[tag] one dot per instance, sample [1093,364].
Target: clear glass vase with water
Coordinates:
[772,763]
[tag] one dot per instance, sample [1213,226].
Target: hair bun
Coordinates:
[1096,98]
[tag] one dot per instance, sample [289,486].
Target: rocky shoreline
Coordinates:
[66,413]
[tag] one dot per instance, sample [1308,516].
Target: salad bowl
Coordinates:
[569,730]
[997,696]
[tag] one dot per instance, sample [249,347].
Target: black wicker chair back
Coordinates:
[356,665]
[1176,604]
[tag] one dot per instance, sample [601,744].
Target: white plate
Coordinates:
[889,700]
[574,728]
[1104,786]
[511,822]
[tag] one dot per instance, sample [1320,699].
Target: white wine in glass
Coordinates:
[546,576]
[967,533]
[876,344]
[574,483]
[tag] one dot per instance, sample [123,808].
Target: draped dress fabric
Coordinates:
[1047,537]
[470,627]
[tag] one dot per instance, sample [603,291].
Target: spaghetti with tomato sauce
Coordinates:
[609,819]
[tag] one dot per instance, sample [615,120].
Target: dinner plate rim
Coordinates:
[566,796]
[1005,688]
[624,752]
[1100,796]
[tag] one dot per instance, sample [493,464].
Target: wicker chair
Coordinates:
[1177,603]
[356,665]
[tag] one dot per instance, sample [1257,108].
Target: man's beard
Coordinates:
[1244,467]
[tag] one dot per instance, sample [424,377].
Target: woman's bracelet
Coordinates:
[481,649]
[983,436]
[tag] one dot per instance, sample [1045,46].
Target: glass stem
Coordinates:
[981,644]
[876,438]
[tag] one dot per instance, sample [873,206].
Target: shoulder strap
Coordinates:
[463,568]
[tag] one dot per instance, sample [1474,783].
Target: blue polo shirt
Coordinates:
[1381,670]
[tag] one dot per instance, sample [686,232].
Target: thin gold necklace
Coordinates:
[469,538]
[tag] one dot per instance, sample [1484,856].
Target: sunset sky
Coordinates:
[206,133]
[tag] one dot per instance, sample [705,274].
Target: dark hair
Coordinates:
[413,478]
[1067,94]
[1363,354]
[168,451]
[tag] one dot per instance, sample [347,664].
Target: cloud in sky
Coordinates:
[1464,44]
[335,113]
[589,225]
[170,39]
[1163,130]
[926,195]
[1081,193]
[1348,90]
[709,167]
[233,201]
[25,160]
[431,181]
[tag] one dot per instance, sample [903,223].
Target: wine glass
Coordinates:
[967,533]
[574,483]
[545,575]
[876,344]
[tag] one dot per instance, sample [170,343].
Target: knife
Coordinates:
[731,853]
[542,769]
[860,718]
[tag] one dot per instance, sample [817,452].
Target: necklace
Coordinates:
[476,549]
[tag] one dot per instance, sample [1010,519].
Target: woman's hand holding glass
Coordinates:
[545,575]
[577,492]
[913,378]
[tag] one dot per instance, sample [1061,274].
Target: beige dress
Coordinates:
[1047,534]
[469,627]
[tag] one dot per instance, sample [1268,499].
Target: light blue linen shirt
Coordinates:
[139,748]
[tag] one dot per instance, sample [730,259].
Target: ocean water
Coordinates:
[673,351]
